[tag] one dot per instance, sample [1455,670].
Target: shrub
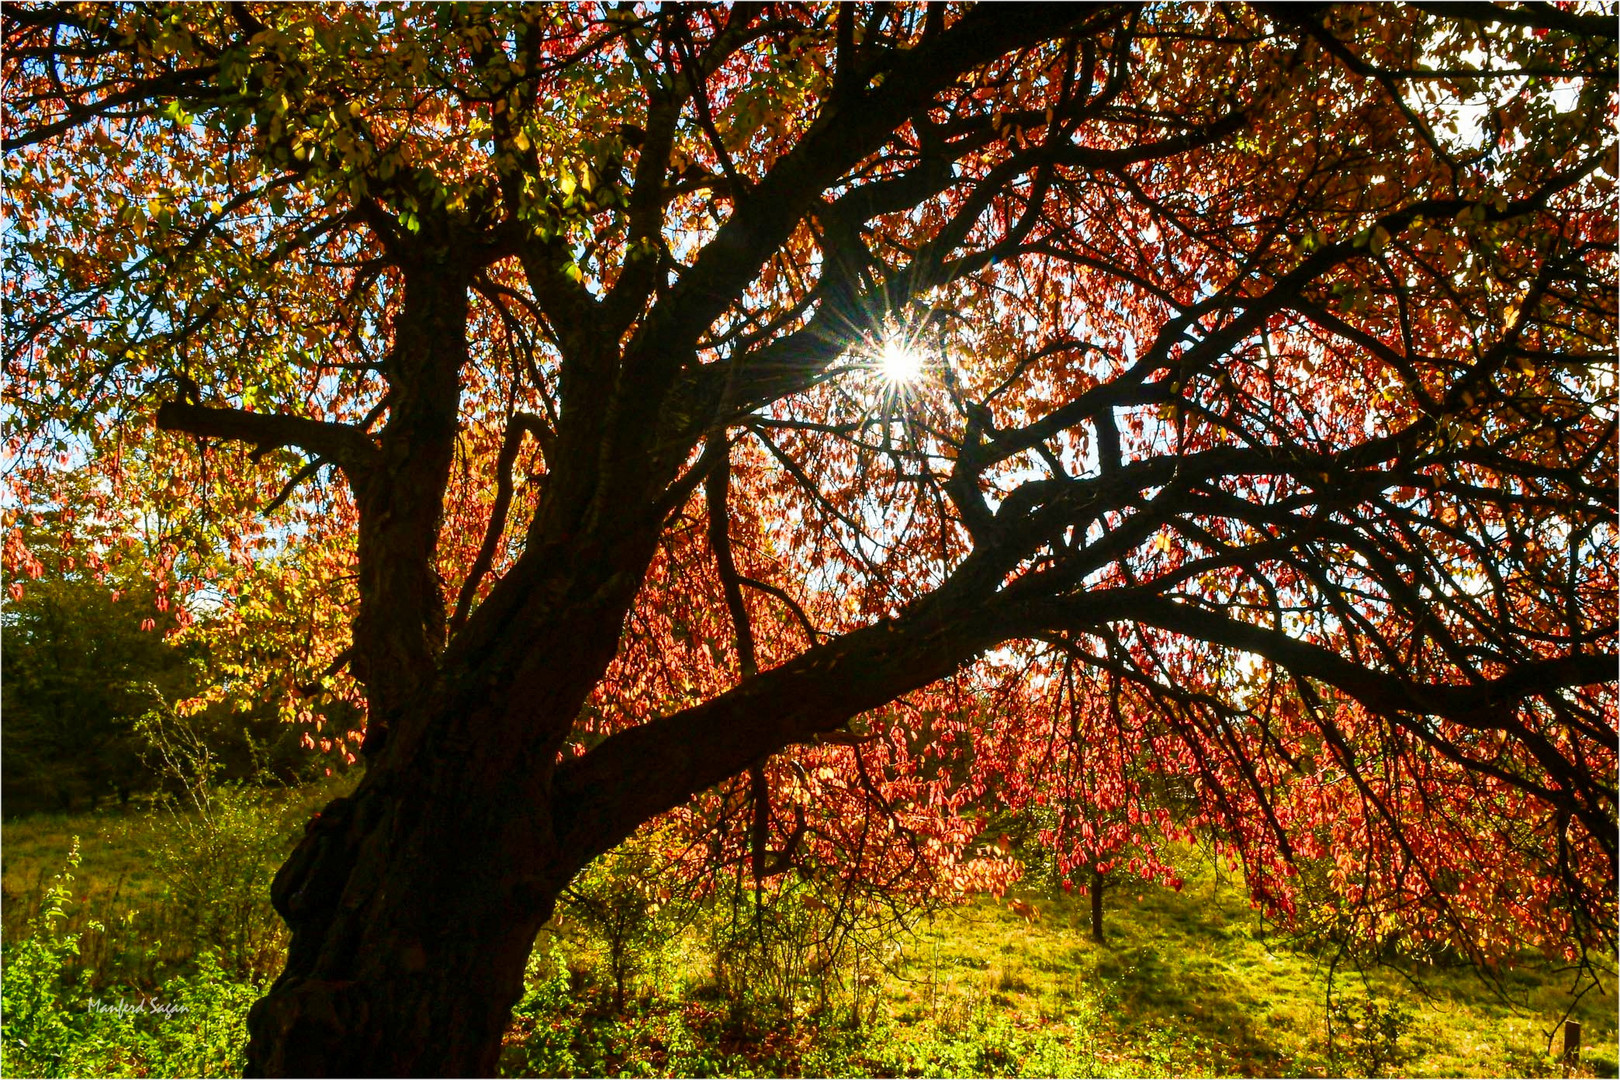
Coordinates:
[1364,1035]
[58,1025]
[221,845]
[766,953]
[622,909]
[36,1031]
[78,672]
[544,1027]
[804,944]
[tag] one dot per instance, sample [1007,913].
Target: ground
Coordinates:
[1195,982]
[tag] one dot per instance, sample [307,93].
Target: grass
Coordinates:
[1189,983]
[117,849]
[115,843]
[131,859]
[1196,983]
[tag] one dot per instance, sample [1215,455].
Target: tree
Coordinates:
[108,630]
[79,675]
[1257,358]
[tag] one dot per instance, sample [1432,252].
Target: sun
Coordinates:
[900,363]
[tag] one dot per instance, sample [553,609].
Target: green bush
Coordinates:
[57,1024]
[78,672]
[766,954]
[163,991]
[803,947]
[544,1021]
[1365,1035]
[622,907]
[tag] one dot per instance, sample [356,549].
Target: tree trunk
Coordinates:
[1097,906]
[413,904]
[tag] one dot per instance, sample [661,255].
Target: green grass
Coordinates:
[119,887]
[1189,983]
[1196,983]
[118,848]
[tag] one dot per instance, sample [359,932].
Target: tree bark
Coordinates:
[413,905]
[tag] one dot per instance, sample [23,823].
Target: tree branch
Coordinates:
[520,423]
[347,447]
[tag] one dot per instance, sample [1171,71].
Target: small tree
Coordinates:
[624,903]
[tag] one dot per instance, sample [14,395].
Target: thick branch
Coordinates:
[847,130]
[601,797]
[349,447]
[497,516]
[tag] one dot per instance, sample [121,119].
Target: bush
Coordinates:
[221,846]
[544,1029]
[624,911]
[1364,1035]
[803,945]
[767,955]
[172,998]
[58,1025]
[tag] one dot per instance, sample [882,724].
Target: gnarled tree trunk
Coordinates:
[412,922]
[414,902]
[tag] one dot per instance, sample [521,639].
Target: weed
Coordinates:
[219,849]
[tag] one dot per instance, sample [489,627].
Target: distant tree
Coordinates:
[77,674]
[105,629]
[720,401]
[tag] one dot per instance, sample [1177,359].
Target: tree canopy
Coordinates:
[822,422]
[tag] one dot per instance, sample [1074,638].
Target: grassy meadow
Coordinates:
[165,914]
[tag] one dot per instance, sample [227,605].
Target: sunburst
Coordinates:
[901,363]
